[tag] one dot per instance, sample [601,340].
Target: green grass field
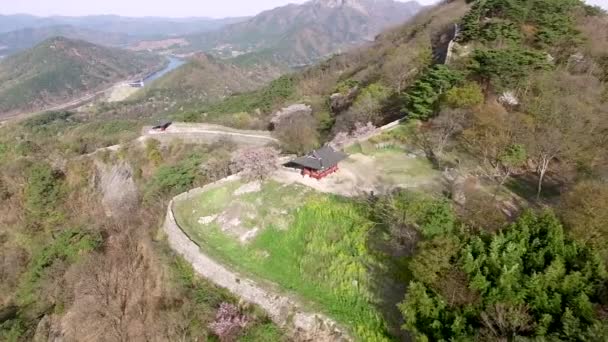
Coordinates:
[312,245]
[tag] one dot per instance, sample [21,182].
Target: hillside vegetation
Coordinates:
[60,69]
[520,109]
[68,269]
[374,74]
[511,247]
[204,79]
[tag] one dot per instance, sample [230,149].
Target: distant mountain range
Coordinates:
[289,35]
[60,69]
[301,34]
[22,39]
[18,32]
[145,26]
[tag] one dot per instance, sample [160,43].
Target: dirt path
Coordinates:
[208,133]
[283,310]
[197,134]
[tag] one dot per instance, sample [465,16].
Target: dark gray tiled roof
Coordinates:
[320,159]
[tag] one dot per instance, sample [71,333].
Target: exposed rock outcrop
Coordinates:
[339,102]
[508,98]
[49,330]
[457,182]
[118,189]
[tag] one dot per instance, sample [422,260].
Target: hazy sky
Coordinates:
[601,3]
[166,8]
[139,8]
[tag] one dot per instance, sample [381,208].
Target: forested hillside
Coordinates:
[518,109]
[204,79]
[59,69]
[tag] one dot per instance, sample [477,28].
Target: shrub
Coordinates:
[429,216]
[367,107]
[175,179]
[12,330]
[584,210]
[188,116]
[343,87]
[69,245]
[153,151]
[467,96]
[229,322]
[42,195]
[44,119]
[423,96]
[241,120]
[264,99]
[26,148]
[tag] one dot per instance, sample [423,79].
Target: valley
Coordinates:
[59,70]
[123,90]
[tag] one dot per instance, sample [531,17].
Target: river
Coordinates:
[174,63]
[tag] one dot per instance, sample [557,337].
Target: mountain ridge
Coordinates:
[59,69]
[301,34]
[25,38]
[136,26]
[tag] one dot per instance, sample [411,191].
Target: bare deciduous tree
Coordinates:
[255,163]
[437,133]
[404,64]
[567,112]
[341,140]
[229,322]
[117,292]
[503,321]
[494,135]
[361,131]
[298,134]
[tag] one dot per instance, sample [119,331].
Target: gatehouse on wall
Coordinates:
[319,163]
